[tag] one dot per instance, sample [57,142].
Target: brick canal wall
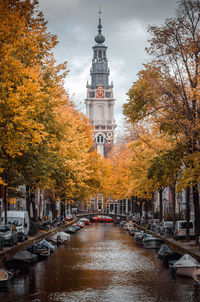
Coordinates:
[182,247]
[8,252]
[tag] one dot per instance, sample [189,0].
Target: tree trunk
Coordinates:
[161,204]
[196,212]
[33,206]
[5,204]
[28,200]
[140,209]
[152,202]
[63,209]
[53,205]
[187,214]
[173,205]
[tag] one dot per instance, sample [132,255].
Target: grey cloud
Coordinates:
[125,28]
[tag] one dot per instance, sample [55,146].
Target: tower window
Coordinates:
[107,94]
[92,94]
[100,54]
[100,138]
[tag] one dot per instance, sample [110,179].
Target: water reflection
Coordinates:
[100,263]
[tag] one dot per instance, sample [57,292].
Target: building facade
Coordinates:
[100,101]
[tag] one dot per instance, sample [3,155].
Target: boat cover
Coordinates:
[64,236]
[186,261]
[151,238]
[164,250]
[47,244]
[147,235]
[25,256]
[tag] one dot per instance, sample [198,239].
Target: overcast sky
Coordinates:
[125,25]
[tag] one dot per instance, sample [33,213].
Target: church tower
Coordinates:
[100,101]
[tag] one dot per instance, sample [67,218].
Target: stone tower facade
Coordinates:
[100,101]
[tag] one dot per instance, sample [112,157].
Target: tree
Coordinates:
[167,91]
[31,87]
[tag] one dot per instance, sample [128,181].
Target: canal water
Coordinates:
[100,263]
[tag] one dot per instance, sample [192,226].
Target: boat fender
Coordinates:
[173,273]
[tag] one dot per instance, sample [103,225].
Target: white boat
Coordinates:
[186,266]
[60,238]
[152,242]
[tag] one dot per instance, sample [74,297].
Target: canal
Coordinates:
[100,263]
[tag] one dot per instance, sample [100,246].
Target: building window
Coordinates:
[103,127]
[92,94]
[109,127]
[100,138]
[107,94]
[97,127]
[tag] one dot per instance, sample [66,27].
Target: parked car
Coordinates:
[9,234]
[21,221]
[166,227]
[180,229]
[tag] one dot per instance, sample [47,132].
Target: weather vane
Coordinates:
[99,12]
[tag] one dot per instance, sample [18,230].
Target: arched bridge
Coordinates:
[117,217]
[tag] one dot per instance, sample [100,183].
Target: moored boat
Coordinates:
[139,236]
[70,230]
[163,251]
[60,238]
[40,250]
[21,259]
[85,220]
[186,266]
[132,232]
[48,244]
[101,218]
[4,276]
[167,255]
[151,242]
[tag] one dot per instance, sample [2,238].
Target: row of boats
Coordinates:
[38,251]
[179,264]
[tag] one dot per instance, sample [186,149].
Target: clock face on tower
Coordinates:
[100,94]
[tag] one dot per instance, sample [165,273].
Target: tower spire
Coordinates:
[99,26]
[99,38]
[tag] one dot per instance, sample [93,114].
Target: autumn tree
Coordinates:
[168,88]
[31,84]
